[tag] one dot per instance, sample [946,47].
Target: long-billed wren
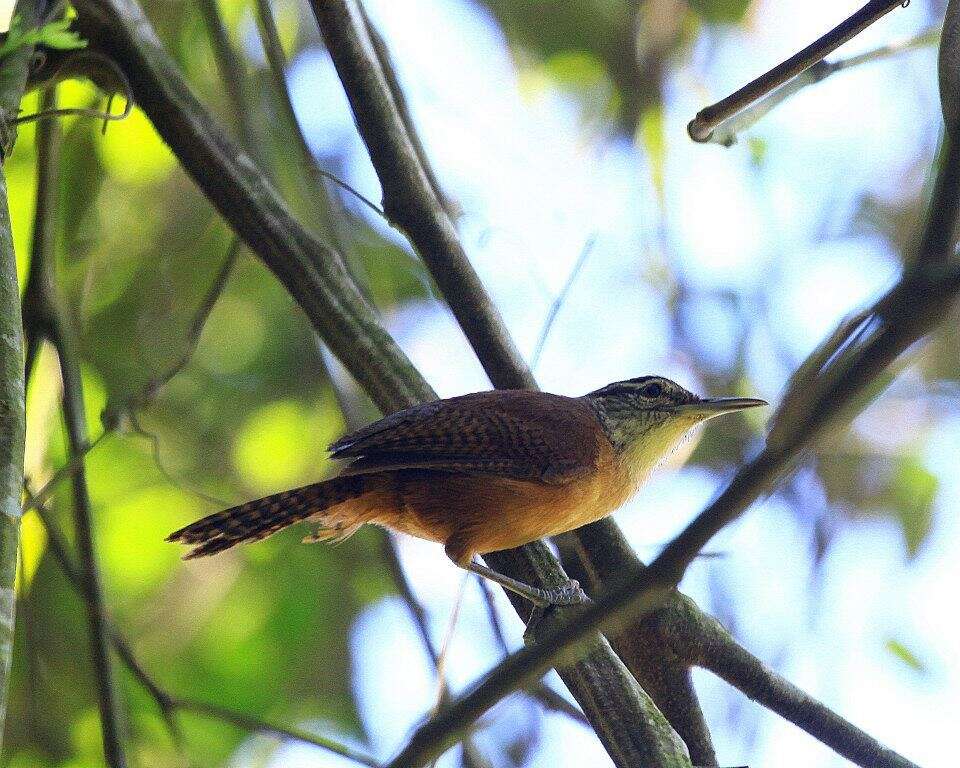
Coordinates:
[484,472]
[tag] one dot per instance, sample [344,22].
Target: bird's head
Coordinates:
[647,417]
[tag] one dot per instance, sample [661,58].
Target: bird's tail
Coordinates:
[258,519]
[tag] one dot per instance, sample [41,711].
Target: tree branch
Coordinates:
[42,319]
[549,698]
[730,662]
[708,118]
[14,69]
[727,132]
[681,631]
[409,199]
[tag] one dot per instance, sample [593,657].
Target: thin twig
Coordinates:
[154,440]
[278,67]
[68,470]
[233,76]
[75,418]
[561,297]
[200,317]
[728,131]
[249,723]
[710,117]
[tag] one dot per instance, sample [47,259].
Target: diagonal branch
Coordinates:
[708,118]
[728,131]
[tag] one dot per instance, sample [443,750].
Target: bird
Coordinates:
[484,472]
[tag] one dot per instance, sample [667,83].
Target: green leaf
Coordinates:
[912,492]
[720,11]
[904,654]
[56,34]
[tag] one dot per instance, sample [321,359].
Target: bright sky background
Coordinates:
[536,183]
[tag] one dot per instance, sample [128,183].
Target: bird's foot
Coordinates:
[564,595]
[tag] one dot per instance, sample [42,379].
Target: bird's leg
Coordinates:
[568,594]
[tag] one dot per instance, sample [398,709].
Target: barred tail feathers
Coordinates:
[260,518]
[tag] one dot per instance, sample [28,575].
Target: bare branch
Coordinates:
[14,69]
[408,196]
[727,132]
[710,117]
[730,662]
[597,556]
[558,302]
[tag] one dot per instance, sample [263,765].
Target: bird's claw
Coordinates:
[565,595]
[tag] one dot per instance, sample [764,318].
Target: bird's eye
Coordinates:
[652,391]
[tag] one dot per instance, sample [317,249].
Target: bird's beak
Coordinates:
[716,406]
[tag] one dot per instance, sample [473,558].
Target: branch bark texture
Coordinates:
[14,69]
